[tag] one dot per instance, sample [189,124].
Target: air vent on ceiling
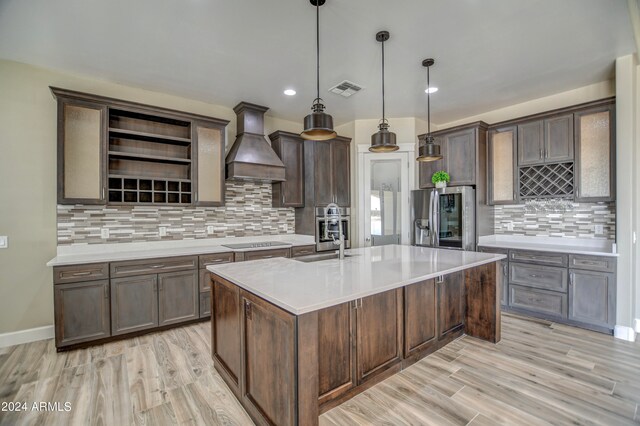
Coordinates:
[345,88]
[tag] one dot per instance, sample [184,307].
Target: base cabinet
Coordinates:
[592,297]
[134,304]
[379,327]
[420,309]
[178,299]
[266,326]
[451,303]
[81,312]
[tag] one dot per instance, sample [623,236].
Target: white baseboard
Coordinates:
[636,325]
[625,333]
[26,336]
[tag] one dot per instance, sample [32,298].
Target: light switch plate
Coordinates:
[209,229]
[163,231]
[509,226]
[599,229]
[4,241]
[104,233]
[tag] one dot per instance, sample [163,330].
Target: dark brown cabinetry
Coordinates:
[420,307]
[289,147]
[225,331]
[504,272]
[463,149]
[546,141]
[592,297]
[134,304]
[81,151]
[81,312]
[571,288]
[178,297]
[502,170]
[337,359]
[332,172]
[595,154]
[302,250]
[568,152]
[262,254]
[264,325]
[379,333]
[205,280]
[119,152]
[451,303]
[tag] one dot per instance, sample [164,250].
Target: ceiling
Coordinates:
[489,53]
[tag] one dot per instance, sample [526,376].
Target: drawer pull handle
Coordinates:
[82,274]
[267,257]
[534,276]
[157,266]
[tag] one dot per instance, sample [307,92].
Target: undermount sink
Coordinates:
[319,257]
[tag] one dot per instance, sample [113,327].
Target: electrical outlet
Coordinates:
[209,229]
[509,226]
[163,231]
[4,241]
[104,233]
[286,227]
[599,229]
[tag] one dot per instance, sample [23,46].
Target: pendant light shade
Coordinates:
[429,151]
[383,140]
[318,126]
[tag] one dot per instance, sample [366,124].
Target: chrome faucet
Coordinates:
[331,216]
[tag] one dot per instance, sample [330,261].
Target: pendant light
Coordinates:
[383,140]
[429,151]
[318,126]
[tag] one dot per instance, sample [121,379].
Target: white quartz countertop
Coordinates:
[299,287]
[94,253]
[587,246]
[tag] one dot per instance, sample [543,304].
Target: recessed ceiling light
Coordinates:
[431,90]
[289,92]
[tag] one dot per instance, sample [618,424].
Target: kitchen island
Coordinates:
[293,339]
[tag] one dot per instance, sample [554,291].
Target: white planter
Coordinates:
[441,184]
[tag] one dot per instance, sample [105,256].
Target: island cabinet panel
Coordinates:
[81,312]
[225,330]
[483,293]
[134,304]
[451,304]
[268,384]
[379,333]
[336,354]
[178,297]
[420,309]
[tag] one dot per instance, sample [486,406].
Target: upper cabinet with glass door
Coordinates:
[502,168]
[118,152]
[595,154]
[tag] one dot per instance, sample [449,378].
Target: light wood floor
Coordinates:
[540,373]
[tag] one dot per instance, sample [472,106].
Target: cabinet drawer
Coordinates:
[151,266]
[494,250]
[539,257]
[546,277]
[214,259]
[266,254]
[302,250]
[546,302]
[592,263]
[77,273]
[205,304]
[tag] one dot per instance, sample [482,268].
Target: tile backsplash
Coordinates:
[247,212]
[579,222]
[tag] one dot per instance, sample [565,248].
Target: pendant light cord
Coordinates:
[428,106]
[318,50]
[383,119]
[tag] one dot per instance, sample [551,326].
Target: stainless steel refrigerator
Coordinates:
[444,218]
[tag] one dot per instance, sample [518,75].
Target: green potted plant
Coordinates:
[440,179]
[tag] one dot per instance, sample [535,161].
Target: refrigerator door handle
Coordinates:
[436,222]
[431,218]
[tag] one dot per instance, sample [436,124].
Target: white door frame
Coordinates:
[406,153]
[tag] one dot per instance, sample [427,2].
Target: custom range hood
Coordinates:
[251,156]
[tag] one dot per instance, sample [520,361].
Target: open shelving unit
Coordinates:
[149,159]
